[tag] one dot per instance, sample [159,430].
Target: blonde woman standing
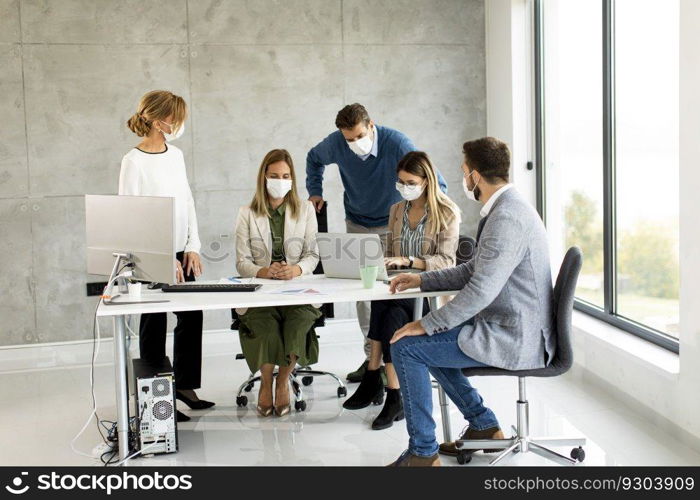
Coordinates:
[423,235]
[276,239]
[157,168]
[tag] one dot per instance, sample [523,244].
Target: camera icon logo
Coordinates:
[16,488]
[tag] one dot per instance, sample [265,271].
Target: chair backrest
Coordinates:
[564,291]
[563,302]
[465,249]
[322,221]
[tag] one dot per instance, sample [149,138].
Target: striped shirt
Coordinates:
[412,239]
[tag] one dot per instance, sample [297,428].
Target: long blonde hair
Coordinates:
[259,203]
[157,105]
[440,208]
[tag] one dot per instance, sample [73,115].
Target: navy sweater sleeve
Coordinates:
[316,160]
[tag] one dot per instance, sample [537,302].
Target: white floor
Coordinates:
[45,401]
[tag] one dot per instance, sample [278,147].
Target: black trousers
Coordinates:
[388,316]
[187,344]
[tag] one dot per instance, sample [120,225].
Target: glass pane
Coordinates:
[647,80]
[574,136]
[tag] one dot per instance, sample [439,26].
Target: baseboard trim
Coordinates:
[77,353]
[636,406]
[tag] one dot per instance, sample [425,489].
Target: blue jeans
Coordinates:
[415,359]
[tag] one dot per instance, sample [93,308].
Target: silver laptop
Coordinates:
[342,254]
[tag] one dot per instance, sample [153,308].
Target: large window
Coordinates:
[607,144]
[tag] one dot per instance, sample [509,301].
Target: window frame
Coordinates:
[609,312]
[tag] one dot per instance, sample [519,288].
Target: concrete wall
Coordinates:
[257,74]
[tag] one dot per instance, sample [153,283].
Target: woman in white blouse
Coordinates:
[157,168]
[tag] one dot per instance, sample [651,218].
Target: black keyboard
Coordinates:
[218,287]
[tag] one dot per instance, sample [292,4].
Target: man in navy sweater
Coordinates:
[366,155]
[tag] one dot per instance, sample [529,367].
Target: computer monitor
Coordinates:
[141,226]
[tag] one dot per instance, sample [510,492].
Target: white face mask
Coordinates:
[278,188]
[410,192]
[469,192]
[172,137]
[361,147]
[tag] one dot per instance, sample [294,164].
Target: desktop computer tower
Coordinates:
[154,395]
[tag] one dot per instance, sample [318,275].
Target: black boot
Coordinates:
[392,411]
[370,390]
[357,375]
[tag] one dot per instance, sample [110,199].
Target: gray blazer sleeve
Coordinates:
[500,250]
[450,278]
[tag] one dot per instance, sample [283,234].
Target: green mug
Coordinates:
[369,275]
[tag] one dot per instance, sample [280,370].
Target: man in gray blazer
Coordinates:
[501,317]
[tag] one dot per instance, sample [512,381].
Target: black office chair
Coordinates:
[465,249]
[564,290]
[306,373]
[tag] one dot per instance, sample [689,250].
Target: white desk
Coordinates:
[333,291]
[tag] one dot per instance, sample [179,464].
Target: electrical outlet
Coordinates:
[94,289]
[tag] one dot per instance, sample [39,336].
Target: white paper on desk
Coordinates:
[299,282]
[258,281]
[298,291]
[264,281]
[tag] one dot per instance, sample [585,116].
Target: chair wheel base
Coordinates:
[464,458]
[307,380]
[578,454]
[300,405]
[241,401]
[342,392]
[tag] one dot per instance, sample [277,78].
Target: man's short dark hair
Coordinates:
[488,156]
[351,115]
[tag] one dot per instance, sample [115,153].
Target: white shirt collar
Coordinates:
[489,204]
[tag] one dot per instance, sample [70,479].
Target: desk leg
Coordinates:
[444,414]
[417,309]
[120,378]
[442,397]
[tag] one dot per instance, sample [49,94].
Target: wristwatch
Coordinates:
[410,262]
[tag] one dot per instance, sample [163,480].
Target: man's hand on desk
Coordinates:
[404,281]
[408,330]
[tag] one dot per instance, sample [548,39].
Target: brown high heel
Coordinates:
[264,411]
[281,411]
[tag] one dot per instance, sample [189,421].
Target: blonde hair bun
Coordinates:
[138,125]
[159,105]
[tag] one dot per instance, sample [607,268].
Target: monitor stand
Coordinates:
[108,298]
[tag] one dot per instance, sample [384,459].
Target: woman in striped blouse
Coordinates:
[423,235]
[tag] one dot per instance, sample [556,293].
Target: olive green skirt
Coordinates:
[274,334]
